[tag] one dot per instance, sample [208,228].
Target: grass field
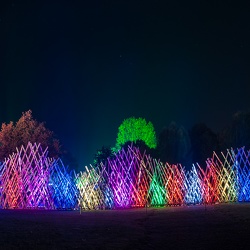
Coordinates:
[221,226]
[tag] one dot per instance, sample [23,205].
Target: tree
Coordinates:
[27,130]
[133,129]
[204,141]
[174,145]
[238,133]
[102,155]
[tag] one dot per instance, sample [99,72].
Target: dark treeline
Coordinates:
[176,144]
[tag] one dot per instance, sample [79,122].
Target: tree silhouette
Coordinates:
[26,130]
[204,141]
[102,155]
[237,134]
[174,145]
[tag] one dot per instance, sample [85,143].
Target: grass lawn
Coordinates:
[218,226]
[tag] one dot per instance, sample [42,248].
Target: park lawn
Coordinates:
[215,226]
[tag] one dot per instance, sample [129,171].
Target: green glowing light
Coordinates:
[135,129]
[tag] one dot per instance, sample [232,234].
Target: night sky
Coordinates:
[85,66]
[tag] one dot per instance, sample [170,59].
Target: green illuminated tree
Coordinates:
[134,129]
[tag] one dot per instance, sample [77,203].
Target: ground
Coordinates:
[216,226]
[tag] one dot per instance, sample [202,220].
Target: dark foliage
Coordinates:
[102,155]
[25,130]
[203,142]
[174,145]
[237,134]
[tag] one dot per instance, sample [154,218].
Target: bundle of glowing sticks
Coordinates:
[29,179]
[133,179]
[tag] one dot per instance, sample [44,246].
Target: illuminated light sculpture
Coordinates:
[157,191]
[141,177]
[1,187]
[175,184]
[210,183]
[90,192]
[120,179]
[226,176]
[62,186]
[108,198]
[29,179]
[141,186]
[26,181]
[242,168]
[133,179]
[193,187]
[127,177]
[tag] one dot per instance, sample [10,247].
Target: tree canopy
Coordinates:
[102,155]
[203,141]
[174,145]
[26,130]
[237,134]
[133,129]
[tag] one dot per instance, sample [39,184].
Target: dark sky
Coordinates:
[85,66]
